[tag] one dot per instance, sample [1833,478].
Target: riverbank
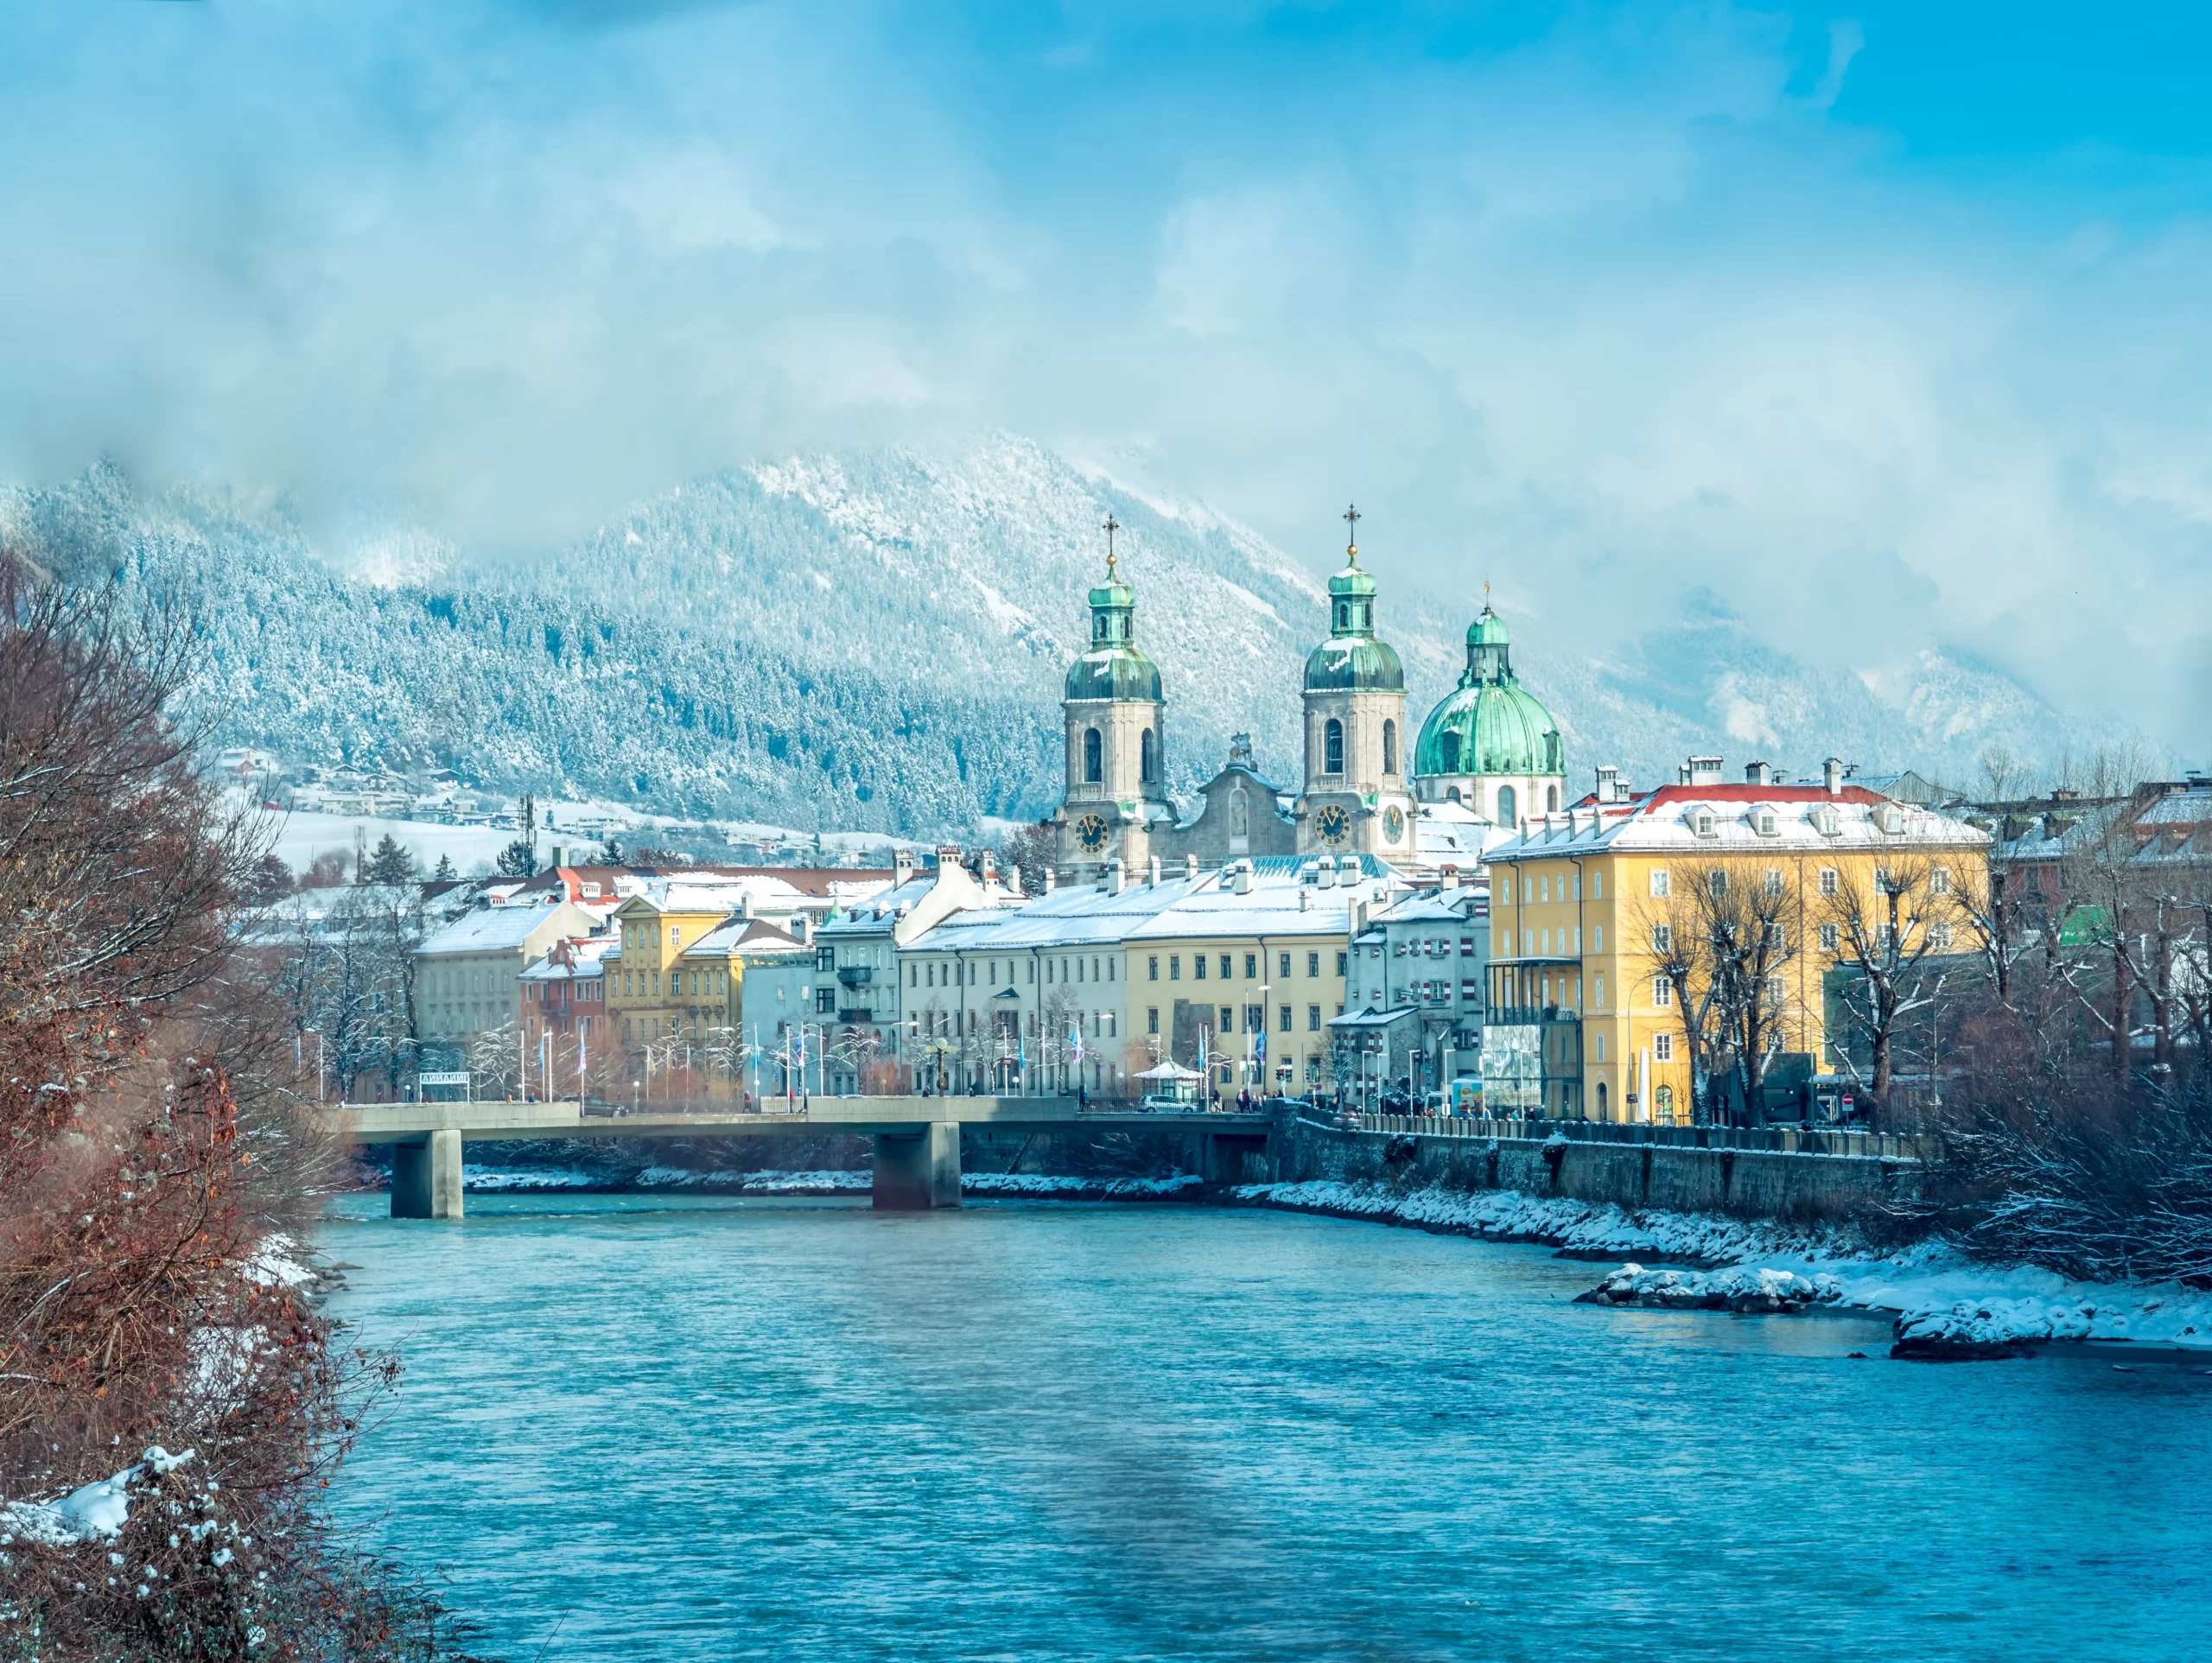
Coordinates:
[1944,1304]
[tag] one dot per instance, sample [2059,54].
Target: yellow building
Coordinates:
[1638,935]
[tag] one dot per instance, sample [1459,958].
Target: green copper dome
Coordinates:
[1490,724]
[1114,668]
[1352,659]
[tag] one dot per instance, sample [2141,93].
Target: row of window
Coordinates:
[1333,747]
[1094,757]
[1776,881]
[1254,1019]
[696,984]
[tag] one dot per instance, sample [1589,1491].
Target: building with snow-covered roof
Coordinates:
[466,969]
[1415,994]
[1601,992]
[1238,969]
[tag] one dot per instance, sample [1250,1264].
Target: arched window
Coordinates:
[1344,616]
[1390,747]
[1240,820]
[1094,764]
[1148,758]
[1509,807]
[1447,748]
[1333,747]
[1551,799]
[1601,1100]
[1452,796]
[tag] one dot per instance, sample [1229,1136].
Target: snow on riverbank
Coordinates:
[491,1180]
[1945,1304]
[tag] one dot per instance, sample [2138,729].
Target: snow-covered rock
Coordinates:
[1741,1288]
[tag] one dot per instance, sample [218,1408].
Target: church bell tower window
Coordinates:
[1094,766]
[1148,758]
[1390,747]
[1333,747]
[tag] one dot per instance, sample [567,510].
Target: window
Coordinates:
[1151,1021]
[1148,758]
[1881,885]
[1447,757]
[1251,966]
[1094,766]
[1883,935]
[826,958]
[1174,966]
[1662,1049]
[1312,964]
[1777,992]
[1701,822]
[675,936]
[1598,1003]
[1390,747]
[1663,938]
[1773,885]
[1598,938]
[1765,823]
[1341,962]
[1939,881]
[1225,966]
[1198,967]
[1829,881]
[1509,807]
[1716,883]
[1313,1019]
[1597,885]
[1662,993]
[1825,821]
[1939,937]
[910,974]
[1661,882]
[1152,969]
[1829,935]
[1285,1022]
[1601,1056]
[825,999]
[1333,747]
[1467,946]
[1228,1020]
[1283,959]
[1662,1099]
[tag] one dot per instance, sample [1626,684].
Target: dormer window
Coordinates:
[1825,821]
[1701,822]
[1763,821]
[1891,818]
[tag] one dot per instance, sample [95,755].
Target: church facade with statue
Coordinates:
[1488,758]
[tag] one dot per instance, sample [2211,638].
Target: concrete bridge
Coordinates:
[916,1139]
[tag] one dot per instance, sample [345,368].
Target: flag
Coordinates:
[1075,1036]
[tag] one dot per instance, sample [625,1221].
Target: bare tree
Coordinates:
[1671,923]
[1750,932]
[1885,932]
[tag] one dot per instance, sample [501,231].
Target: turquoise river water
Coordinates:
[643,1428]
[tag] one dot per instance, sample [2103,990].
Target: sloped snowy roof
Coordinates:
[491,929]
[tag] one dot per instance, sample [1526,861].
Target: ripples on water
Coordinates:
[799,1429]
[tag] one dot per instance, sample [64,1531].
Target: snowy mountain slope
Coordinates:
[877,641]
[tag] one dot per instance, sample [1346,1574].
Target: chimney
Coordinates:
[1702,770]
[1325,873]
[1609,783]
[744,905]
[1240,878]
[1014,881]
[1051,878]
[1190,866]
[803,927]
[988,865]
[1152,872]
[1111,879]
[948,856]
[1451,874]
[1305,900]
[902,866]
[1757,773]
[1832,776]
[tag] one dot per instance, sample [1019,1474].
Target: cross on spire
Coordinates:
[1111,526]
[1352,517]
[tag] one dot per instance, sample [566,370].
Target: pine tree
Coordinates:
[610,853]
[391,863]
[445,873]
[519,859]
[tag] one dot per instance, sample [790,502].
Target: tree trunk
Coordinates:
[2122,1002]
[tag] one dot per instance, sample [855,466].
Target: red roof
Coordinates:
[1736,792]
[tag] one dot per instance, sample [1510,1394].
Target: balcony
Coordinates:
[855,975]
[861,1014]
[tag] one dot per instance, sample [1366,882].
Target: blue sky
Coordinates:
[1884,322]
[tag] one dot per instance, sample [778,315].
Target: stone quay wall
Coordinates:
[1798,1184]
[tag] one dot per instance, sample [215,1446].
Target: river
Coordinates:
[645,1428]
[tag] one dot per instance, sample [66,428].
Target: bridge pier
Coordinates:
[426,1177]
[919,1169]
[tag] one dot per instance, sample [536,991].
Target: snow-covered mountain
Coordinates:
[877,641]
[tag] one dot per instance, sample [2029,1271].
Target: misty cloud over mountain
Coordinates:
[876,641]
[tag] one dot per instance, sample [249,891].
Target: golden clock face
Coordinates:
[1090,832]
[1394,824]
[1333,823]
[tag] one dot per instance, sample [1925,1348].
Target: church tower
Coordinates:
[1116,755]
[1357,798]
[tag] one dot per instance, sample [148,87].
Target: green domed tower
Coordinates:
[1117,757]
[1491,745]
[1357,798]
